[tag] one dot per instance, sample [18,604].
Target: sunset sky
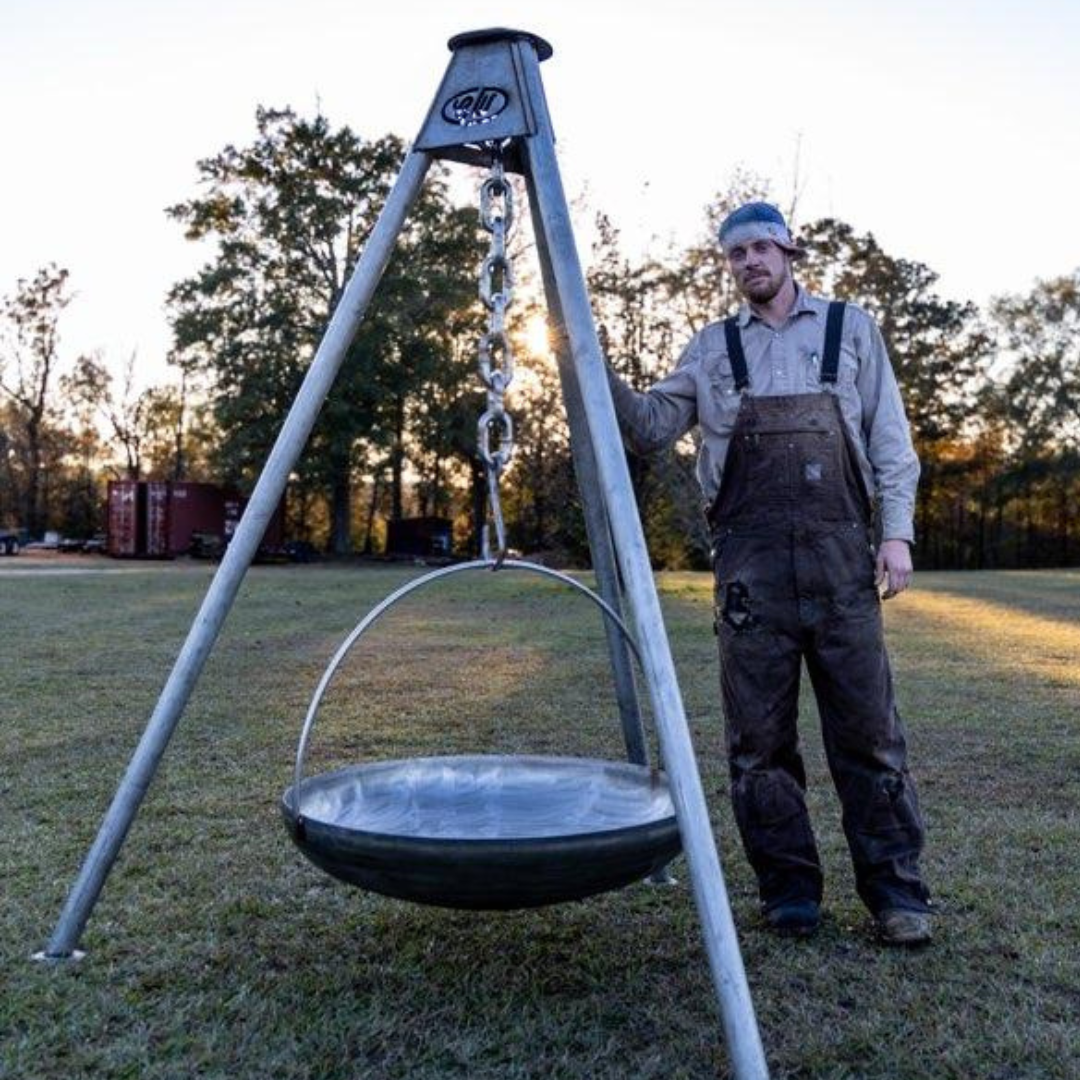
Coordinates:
[948,129]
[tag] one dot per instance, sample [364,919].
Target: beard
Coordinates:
[762,287]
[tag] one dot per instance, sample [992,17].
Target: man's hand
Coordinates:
[893,567]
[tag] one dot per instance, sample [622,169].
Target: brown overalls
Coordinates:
[794,573]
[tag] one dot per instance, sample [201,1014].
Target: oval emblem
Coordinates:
[477,105]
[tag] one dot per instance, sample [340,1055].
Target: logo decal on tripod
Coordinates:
[477,105]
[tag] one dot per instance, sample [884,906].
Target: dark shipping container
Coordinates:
[195,509]
[420,536]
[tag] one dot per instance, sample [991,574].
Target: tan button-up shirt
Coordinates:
[701,390]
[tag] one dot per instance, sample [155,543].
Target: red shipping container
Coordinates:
[157,520]
[123,518]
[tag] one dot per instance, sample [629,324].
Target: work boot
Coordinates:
[899,927]
[794,918]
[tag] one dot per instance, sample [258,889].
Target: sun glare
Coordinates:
[537,339]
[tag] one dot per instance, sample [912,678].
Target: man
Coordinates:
[802,433]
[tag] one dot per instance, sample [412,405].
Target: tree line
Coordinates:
[993,394]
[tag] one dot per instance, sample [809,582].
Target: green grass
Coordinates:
[217,951]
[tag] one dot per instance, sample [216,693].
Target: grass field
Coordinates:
[217,951]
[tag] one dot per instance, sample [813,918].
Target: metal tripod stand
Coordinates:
[492,92]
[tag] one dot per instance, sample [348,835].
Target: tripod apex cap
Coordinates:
[500,33]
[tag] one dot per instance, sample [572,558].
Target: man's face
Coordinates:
[760,269]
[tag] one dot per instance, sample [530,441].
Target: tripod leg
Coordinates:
[226,583]
[729,975]
[596,522]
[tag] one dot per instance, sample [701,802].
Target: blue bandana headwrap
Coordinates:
[757,221]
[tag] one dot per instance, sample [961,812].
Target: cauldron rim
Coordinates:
[636,774]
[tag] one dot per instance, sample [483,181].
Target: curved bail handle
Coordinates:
[411,586]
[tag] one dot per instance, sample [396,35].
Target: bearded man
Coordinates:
[805,459]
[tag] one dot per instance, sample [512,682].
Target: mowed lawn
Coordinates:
[216,950]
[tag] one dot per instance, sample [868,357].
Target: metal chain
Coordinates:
[496,359]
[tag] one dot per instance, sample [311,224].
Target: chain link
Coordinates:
[496,358]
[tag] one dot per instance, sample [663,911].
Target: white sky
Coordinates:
[951,129]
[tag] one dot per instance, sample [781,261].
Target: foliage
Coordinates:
[634,322]
[288,215]
[699,287]
[540,494]
[1007,488]
[645,311]
[636,325]
[61,420]
[1039,337]
[147,424]
[33,443]
[993,396]
[934,344]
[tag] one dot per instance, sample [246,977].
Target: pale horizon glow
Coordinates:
[947,129]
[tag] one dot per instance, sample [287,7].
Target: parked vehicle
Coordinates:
[84,545]
[10,542]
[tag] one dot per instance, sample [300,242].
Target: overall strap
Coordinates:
[834,328]
[736,356]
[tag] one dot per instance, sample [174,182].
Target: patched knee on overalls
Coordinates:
[889,791]
[734,607]
[893,813]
